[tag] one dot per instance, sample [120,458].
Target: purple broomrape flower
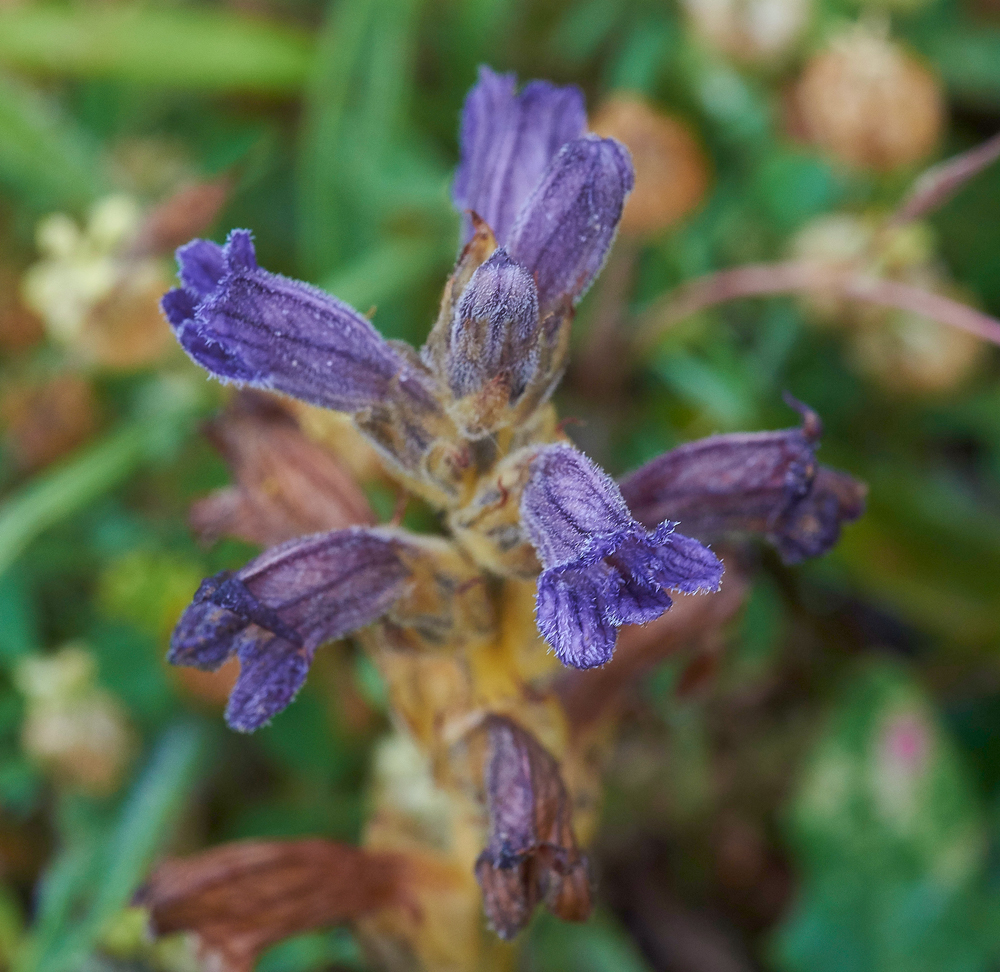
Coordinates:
[508,141]
[275,612]
[601,568]
[765,483]
[250,327]
[552,194]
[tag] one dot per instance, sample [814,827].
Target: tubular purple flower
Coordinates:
[601,568]
[250,327]
[765,483]
[507,142]
[566,228]
[275,612]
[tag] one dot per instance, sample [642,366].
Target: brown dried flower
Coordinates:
[286,485]
[869,104]
[760,31]
[532,854]
[241,898]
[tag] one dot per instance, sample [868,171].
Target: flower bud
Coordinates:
[869,104]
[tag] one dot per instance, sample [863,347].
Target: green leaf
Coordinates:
[387,271]
[180,47]
[601,945]
[969,61]
[19,632]
[44,156]
[890,839]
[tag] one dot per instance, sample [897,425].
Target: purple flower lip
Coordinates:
[601,568]
[250,327]
[275,612]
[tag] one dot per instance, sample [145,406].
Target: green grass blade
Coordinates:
[181,47]
[143,823]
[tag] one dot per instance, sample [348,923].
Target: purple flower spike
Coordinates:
[248,326]
[494,329]
[508,140]
[601,569]
[276,611]
[566,228]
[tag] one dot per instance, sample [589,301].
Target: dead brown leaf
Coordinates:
[286,485]
[241,898]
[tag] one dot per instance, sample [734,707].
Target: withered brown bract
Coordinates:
[241,898]
[532,853]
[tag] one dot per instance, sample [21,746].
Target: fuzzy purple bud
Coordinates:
[566,228]
[601,568]
[494,330]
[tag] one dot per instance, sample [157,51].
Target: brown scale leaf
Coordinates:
[286,485]
[532,854]
[241,898]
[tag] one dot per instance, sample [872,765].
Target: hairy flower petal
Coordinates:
[248,326]
[573,616]
[602,569]
[507,140]
[201,265]
[272,670]
[566,228]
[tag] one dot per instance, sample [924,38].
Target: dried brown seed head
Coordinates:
[869,103]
